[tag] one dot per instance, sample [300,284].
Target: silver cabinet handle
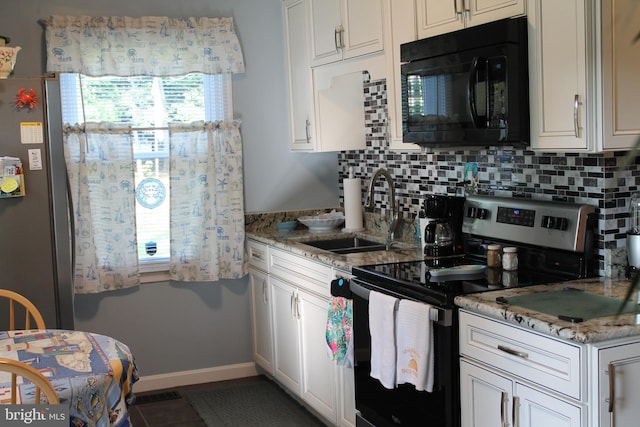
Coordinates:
[291,306]
[341,32]
[513,352]
[265,296]
[455,10]
[503,409]
[576,117]
[515,416]
[336,32]
[307,125]
[467,10]
[612,387]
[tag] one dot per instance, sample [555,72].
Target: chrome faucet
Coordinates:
[396,221]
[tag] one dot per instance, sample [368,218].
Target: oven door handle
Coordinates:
[445,315]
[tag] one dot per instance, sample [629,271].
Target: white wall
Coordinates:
[174,327]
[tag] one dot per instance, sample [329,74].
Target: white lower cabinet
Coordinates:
[261,319]
[299,295]
[286,337]
[511,376]
[618,386]
[490,399]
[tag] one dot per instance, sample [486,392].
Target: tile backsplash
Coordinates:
[595,179]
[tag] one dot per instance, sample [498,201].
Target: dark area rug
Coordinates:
[259,403]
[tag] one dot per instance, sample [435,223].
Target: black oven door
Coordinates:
[474,97]
[403,405]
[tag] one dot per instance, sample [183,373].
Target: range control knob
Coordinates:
[554,223]
[474,212]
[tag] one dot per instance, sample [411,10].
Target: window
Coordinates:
[147,105]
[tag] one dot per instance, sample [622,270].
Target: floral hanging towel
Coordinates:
[340,331]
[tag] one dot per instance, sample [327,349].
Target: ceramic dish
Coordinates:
[287,225]
[321,223]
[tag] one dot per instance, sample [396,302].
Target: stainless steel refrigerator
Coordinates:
[35,232]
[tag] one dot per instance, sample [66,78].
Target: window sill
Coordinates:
[154,272]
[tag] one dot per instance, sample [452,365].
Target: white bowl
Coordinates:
[316,223]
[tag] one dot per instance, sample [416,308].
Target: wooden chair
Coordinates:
[19,369]
[31,312]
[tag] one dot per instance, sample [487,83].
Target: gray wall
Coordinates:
[173,327]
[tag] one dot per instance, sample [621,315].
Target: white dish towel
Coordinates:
[382,329]
[414,340]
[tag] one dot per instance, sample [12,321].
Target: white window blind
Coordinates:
[147,104]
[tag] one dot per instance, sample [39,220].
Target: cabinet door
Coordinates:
[620,65]
[285,336]
[438,17]
[533,408]
[362,22]
[557,75]
[319,381]
[326,31]
[261,319]
[485,397]
[624,361]
[299,75]
[481,12]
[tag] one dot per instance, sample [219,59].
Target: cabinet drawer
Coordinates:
[258,255]
[300,271]
[545,361]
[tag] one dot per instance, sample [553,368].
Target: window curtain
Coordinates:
[206,189]
[207,202]
[145,46]
[100,168]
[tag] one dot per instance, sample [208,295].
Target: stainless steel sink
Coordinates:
[347,245]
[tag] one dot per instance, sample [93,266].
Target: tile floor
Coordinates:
[167,408]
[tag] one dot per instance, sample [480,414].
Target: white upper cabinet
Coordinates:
[440,16]
[558,92]
[583,82]
[299,77]
[620,77]
[343,29]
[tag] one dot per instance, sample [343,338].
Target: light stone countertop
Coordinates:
[262,229]
[589,331]
[293,241]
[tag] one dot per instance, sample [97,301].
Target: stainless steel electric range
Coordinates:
[554,243]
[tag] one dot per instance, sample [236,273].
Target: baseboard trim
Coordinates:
[195,376]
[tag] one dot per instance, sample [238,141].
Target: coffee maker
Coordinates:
[633,235]
[442,225]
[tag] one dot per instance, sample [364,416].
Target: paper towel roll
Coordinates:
[352,204]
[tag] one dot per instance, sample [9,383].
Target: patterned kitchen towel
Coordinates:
[383,345]
[340,331]
[414,339]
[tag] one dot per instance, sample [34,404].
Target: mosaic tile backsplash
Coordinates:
[595,179]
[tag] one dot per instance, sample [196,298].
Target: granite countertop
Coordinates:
[262,228]
[293,241]
[588,331]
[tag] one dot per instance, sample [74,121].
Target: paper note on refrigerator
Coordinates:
[31,133]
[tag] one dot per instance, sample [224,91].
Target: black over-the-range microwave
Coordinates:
[467,88]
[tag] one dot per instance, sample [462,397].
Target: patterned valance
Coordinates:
[149,45]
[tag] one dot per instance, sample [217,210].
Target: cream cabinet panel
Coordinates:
[485,397]
[262,330]
[320,374]
[623,388]
[558,75]
[438,17]
[534,408]
[286,336]
[620,65]
[343,29]
[299,77]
